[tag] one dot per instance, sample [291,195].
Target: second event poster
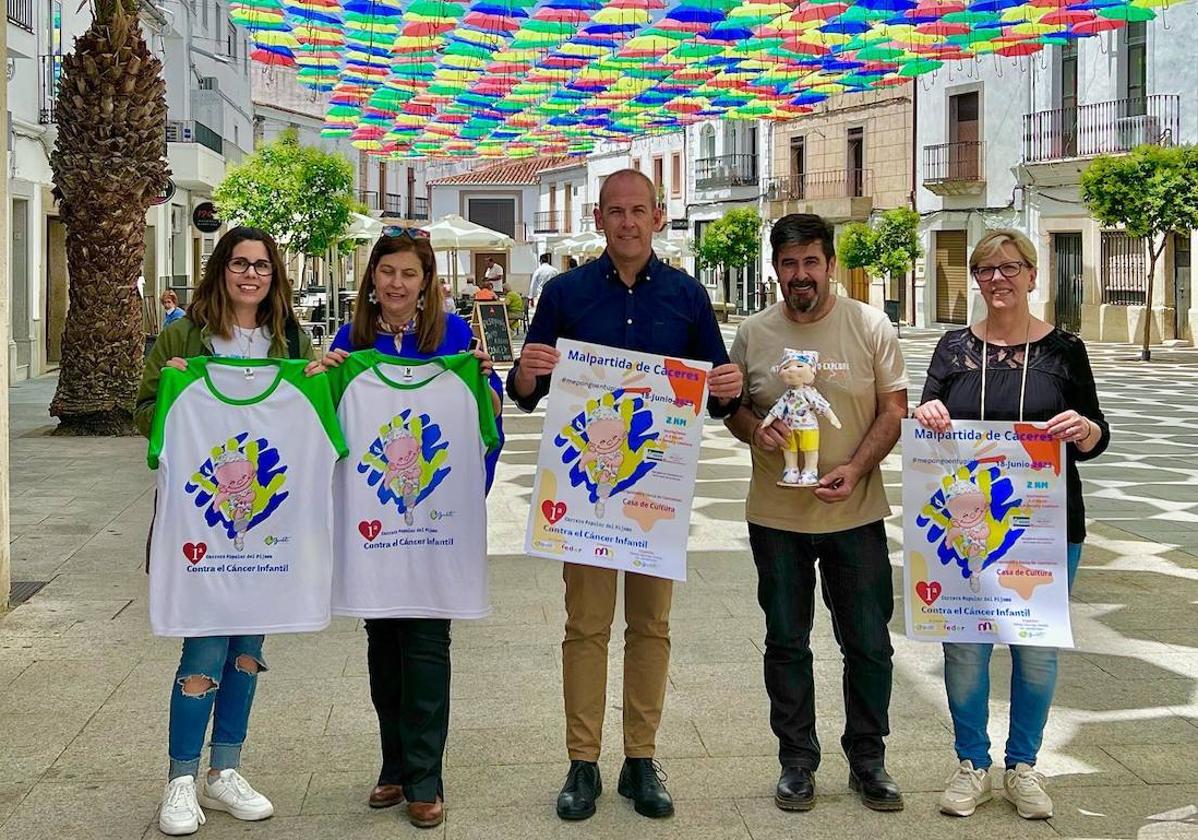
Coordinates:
[618,460]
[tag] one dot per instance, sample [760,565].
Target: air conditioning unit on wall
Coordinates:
[1137,131]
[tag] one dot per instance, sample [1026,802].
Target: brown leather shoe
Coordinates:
[385,796]
[426,814]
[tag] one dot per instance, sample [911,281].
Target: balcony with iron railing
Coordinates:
[546,222]
[193,131]
[726,171]
[823,184]
[393,204]
[419,208]
[1100,128]
[48,88]
[955,168]
[20,14]
[370,198]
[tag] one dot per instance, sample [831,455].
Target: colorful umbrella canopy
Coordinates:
[526,78]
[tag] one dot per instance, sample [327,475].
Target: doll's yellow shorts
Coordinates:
[803,440]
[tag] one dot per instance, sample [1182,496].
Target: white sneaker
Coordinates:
[966,790]
[809,478]
[1025,788]
[790,476]
[179,812]
[230,793]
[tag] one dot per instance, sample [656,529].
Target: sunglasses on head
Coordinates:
[392,231]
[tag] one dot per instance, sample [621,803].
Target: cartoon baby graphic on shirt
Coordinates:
[406,462]
[609,444]
[971,519]
[239,485]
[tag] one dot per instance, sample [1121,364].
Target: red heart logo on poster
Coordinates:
[553,510]
[928,592]
[370,529]
[194,552]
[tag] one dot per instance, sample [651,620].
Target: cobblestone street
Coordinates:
[84,686]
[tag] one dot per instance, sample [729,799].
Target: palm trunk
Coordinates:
[109,165]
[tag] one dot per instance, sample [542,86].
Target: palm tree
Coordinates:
[108,166]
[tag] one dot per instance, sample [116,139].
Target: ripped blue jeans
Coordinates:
[1033,681]
[220,672]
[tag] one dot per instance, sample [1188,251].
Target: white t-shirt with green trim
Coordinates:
[411,524]
[243,524]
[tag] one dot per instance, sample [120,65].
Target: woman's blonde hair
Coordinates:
[211,306]
[995,239]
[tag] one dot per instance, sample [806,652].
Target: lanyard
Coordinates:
[1027,342]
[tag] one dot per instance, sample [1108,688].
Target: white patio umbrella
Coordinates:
[667,250]
[588,243]
[362,228]
[453,233]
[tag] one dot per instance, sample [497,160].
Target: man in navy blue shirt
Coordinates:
[631,300]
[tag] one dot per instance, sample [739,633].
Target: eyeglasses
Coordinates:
[391,231]
[1009,270]
[240,265]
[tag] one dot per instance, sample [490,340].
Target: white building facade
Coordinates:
[727,164]
[1003,143]
[207,70]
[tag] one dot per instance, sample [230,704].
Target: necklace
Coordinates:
[246,346]
[1027,342]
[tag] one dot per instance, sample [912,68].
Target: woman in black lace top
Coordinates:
[1034,372]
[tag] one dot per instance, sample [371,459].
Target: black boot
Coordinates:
[796,789]
[641,781]
[878,791]
[582,788]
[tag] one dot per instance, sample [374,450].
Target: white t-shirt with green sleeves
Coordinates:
[243,525]
[411,523]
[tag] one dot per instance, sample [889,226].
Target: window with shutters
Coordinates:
[1124,266]
[496,213]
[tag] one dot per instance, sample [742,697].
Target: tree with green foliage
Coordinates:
[888,247]
[1152,192]
[300,195]
[733,241]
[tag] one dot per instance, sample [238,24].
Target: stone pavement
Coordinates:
[84,687]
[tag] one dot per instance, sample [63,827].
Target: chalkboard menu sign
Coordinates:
[491,325]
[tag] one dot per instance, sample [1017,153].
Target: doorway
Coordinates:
[1181,284]
[952,285]
[19,283]
[57,289]
[1067,281]
[964,134]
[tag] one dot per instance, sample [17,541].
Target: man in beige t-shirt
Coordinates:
[837,524]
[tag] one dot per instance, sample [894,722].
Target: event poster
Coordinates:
[618,460]
[984,539]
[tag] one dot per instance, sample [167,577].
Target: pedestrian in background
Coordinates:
[542,275]
[171,310]
[1011,366]
[485,292]
[838,524]
[241,309]
[631,300]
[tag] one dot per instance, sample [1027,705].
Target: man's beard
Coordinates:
[798,303]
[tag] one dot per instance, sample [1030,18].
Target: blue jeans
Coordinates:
[1033,680]
[227,669]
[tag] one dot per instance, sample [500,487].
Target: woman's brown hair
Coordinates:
[430,317]
[211,307]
